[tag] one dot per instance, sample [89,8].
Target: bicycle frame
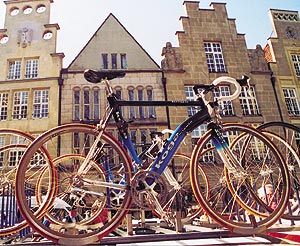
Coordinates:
[173,142]
[167,152]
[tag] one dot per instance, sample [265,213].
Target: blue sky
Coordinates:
[152,22]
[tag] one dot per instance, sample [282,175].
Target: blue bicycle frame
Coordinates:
[172,144]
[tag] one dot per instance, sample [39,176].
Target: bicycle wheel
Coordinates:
[13,143]
[61,206]
[75,190]
[180,196]
[266,192]
[260,164]
[289,146]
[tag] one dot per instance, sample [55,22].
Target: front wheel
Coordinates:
[255,175]
[83,205]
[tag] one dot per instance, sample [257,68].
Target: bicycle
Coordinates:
[119,181]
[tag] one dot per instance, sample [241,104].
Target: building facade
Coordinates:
[283,54]
[210,47]
[109,50]
[30,67]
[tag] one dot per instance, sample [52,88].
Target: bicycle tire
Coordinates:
[60,141]
[227,211]
[13,144]
[290,149]
[292,156]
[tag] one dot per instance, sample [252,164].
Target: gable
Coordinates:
[113,38]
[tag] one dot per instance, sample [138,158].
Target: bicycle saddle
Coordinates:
[94,76]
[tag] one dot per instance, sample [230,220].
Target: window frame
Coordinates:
[14,70]
[104,60]
[225,106]
[114,61]
[40,104]
[20,109]
[296,63]
[31,68]
[249,103]
[4,99]
[214,57]
[123,60]
[292,105]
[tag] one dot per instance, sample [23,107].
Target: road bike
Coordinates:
[99,178]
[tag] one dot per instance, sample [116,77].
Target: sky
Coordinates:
[152,22]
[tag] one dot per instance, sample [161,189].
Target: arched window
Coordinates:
[96,103]
[131,97]
[76,104]
[141,109]
[151,109]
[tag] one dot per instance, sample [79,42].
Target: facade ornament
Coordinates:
[172,60]
[291,32]
[24,37]
[257,59]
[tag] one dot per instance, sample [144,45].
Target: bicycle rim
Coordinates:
[13,143]
[76,196]
[289,147]
[257,155]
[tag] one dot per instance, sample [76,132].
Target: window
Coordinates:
[214,57]
[16,154]
[291,101]
[296,62]
[189,94]
[81,141]
[41,104]
[3,105]
[248,101]
[141,108]
[114,61]
[123,61]
[104,61]
[150,99]
[4,39]
[76,103]
[47,35]
[144,140]
[20,105]
[119,96]
[2,143]
[118,93]
[86,104]
[225,106]
[200,130]
[14,71]
[31,69]
[96,104]
[133,136]
[131,108]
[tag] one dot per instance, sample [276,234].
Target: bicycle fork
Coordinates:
[228,158]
